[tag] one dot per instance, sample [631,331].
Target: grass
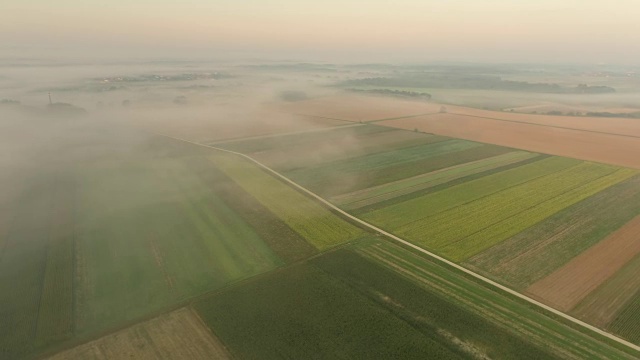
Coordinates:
[406,212]
[376,194]
[546,246]
[315,223]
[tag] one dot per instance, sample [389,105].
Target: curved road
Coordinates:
[404,242]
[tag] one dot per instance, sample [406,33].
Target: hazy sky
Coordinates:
[368,30]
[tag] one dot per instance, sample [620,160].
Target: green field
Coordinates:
[513,225]
[376,300]
[406,212]
[376,194]
[558,335]
[505,214]
[627,323]
[513,216]
[520,260]
[103,243]
[309,219]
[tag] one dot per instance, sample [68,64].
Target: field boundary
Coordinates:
[433,255]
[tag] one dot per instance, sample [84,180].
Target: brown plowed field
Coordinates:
[601,306]
[608,140]
[567,286]
[360,108]
[620,126]
[606,148]
[177,335]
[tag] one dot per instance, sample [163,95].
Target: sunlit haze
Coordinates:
[588,31]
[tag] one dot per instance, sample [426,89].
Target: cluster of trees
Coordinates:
[634,115]
[160,77]
[402,93]
[484,82]
[293,95]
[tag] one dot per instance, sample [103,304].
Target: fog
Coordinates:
[59,115]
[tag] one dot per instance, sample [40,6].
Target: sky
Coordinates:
[559,31]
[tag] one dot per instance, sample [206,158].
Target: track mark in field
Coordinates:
[159,259]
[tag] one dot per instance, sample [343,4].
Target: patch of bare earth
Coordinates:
[176,335]
[601,306]
[567,286]
[606,148]
[621,126]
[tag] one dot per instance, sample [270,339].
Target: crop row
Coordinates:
[611,298]
[380,160]
[437,232]
[394,216]
[546,246]
[627,323]
[314,222]
[401,187]
[510,226]
[506,312]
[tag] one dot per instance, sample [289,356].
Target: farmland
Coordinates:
[176,335]
[568,285]
[601,147]
[108,247]
[602,305]
[362,292]
[612,141]
[315,223]
[532,213]
[379,156]
[110,241]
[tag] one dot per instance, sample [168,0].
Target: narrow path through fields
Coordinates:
[437,257]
